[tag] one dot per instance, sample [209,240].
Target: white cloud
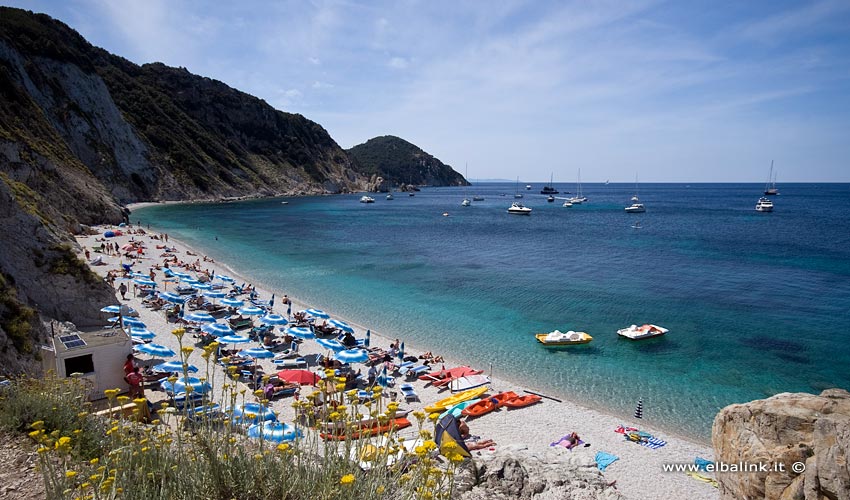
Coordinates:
[322,85]
[398,63]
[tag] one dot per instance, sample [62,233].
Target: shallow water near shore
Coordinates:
[754,302]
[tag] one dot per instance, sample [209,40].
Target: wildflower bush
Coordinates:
[204,453]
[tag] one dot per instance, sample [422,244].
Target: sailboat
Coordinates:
[549,189]
[770,187]
[465,202]
[579,198]
[517,194]
[636,207]
[390,194]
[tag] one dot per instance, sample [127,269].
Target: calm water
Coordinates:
[756,303]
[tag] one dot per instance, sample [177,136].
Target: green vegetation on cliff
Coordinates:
[400,162]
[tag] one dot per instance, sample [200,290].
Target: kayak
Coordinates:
[523,401]
[395,424]
[455,399]
[487,405]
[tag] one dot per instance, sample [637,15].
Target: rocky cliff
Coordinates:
[810,431]
[83,132]
[392,161]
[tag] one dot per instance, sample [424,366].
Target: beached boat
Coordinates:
[764,205]
[549,189]
[522,401]
[367,199]
[468,382]
[770,187]
[455,399]
[646,331]
[487,405]
[559,338]
[519,209]
[369,430]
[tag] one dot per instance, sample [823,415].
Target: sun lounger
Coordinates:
[409,392]
[291,363]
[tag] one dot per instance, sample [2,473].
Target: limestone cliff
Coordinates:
[786,429]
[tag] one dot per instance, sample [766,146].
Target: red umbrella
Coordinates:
[298,376]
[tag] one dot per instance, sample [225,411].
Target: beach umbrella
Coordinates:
[401,351]
[224,277]
[232,302]
[639,409]
[273,319]
[156,350]
[217,329]
[141,334]
[368,337]
[302,377]
[234,339]
[353,356]
[199,317]
[301,332]
[251,311]
[384,380]
[127,321]
[136,274]
[342,325]
[168,272]
[289,309]
[201,286]
[198,386]
[174,367]
[332,344]
[214,294]
[171,297]
[256,353]
[145,281]
[447,430]
[189,281]
[251,413]
[115,309]
[317,313]
[181,275]
[276,432]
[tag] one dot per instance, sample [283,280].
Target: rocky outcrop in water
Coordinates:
[513,472]
[808,429]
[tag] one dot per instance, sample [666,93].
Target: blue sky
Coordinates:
[677,91]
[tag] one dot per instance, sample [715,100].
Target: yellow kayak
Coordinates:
[454,399]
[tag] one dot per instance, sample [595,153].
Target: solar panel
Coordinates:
[72,341]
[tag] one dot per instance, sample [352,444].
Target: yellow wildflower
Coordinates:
[178,332]
[283,446]
[111,393]
[37,425]
[70,474]
[347,479]
[187,350]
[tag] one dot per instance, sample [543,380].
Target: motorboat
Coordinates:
[550,198]
[528,187]
[567,203]
[764,205]
[559,338]
[465,202]
[390,196]
[477,198]
[519,209]
[642,332]
[367,199]
[636,208]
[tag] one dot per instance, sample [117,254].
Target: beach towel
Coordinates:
[622,429]
[565,442]
[653,443]
[603,460]
[705,479]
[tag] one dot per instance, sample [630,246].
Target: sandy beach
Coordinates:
[638,472]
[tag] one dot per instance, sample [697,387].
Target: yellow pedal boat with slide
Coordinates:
[454,399]
[559,338]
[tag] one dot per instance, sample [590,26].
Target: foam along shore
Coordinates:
[639,473]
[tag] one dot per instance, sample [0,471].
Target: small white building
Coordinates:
[98,355]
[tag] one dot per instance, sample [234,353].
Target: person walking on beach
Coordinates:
[135,380]
[122,288]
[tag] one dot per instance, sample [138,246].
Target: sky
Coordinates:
[678,91]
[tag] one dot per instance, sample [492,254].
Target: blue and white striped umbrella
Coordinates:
[342,325]
[180,274]
[128,321]
[217,329]
[232,302]
[174,367]
[168,272]
[317,313]
[214,294]
[273,319]
[353,356]
[145,281]
[384,380]
[300,332]
[224,277]
[201,286]
[276,432]
[331,344]
[115,309]
[142,334]
[257,353]
[172,297]
[251,413]
[401,351]
[136,274]
[368,337]
[156,350]
[234,339]
[198,386]
[189,281]
[251,311]
[199,317]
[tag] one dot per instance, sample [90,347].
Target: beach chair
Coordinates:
[414,372]
[409,392]
[404,367]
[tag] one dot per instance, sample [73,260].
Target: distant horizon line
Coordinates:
[494,181]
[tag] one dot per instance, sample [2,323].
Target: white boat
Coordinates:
[550,198]
[367,199]
[390,196]
[635,198]
[468,382]
[578,199]
[528,187]
[647,331]
[517,194]
[770,187]
[477,198]
[466,202]
[636,208]
[567,203]
[519,208]
[764,205]
[559,338]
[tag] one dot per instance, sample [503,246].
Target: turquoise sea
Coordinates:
[756,303]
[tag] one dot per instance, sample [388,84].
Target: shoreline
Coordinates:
[538,425]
